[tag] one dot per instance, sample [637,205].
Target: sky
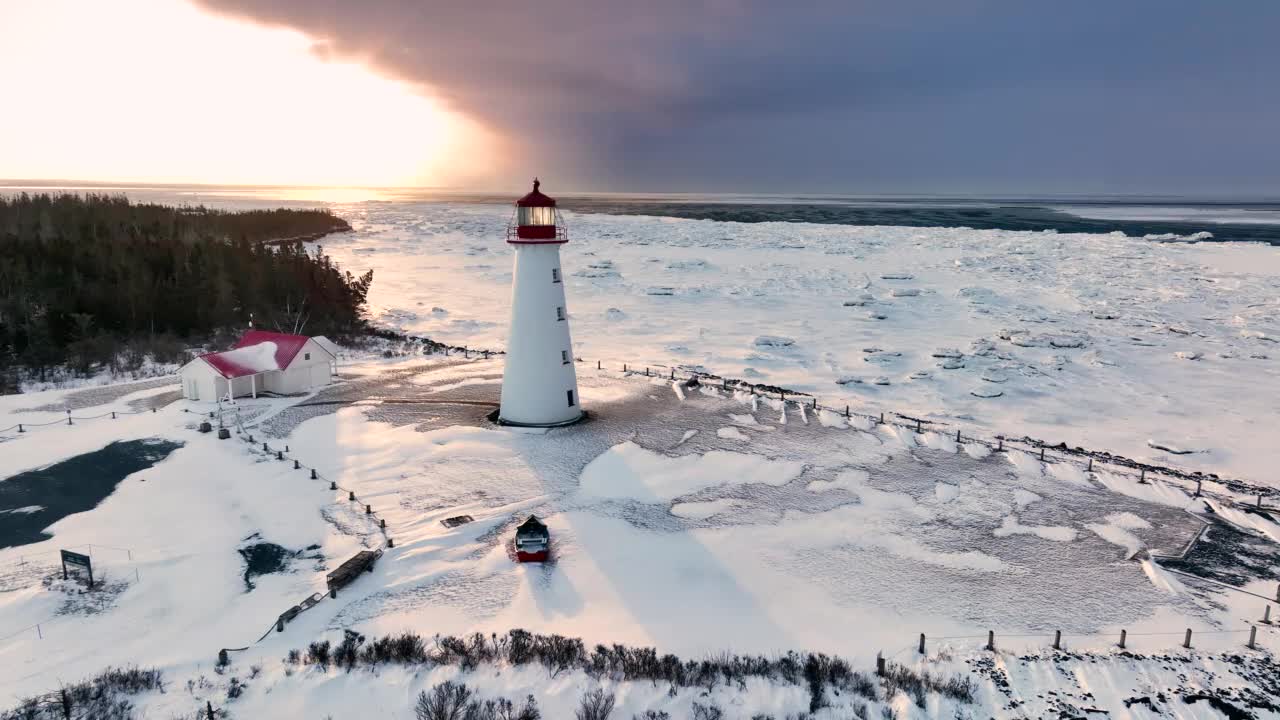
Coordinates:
[967,97]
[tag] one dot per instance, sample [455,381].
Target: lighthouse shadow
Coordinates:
[642,573]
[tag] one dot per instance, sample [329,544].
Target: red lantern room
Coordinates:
[536,220]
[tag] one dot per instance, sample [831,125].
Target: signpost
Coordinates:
[75,558]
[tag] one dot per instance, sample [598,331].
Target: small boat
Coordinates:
[533,541]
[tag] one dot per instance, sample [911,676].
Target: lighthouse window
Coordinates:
[536,216]
[570,392]
[555,275]
[559,313]
[564,357]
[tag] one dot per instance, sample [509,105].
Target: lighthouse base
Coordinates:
[496,418]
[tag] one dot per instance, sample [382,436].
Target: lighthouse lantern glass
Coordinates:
[536,216]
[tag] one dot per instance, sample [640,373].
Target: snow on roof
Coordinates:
[258,351]
[327,345]
[244,361]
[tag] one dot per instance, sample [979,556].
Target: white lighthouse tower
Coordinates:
[539,384]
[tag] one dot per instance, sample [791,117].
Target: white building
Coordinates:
[261,362]
[539,382]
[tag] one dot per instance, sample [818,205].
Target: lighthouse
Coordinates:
[539,383]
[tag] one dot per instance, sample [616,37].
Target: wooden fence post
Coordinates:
[880,664]
[1253,637]
[1090,467]
[846,412]
[921,643]
[333,484]
[919,426]
[1122,635]
[957,436]
[1041,453]
[351,495]
[1266,614]
[1057,639]
[313,474]
[991,640]
[1186,643]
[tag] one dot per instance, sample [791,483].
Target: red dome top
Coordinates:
[536,198]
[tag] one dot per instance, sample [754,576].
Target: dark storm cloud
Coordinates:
[1009,96]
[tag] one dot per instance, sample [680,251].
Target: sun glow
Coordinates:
[159,91]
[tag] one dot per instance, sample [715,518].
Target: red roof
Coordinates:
[536,198]
[241,360]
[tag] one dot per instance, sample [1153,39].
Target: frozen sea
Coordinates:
[1114,324]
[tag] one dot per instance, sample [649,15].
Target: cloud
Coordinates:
[815,95]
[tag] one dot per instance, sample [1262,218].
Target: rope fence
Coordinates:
[22,428]
[1045,451]
[998,443]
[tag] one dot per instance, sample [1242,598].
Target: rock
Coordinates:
[1066,341]
[1188,355]
[897,276]
[986,392]
[881,380]
[905,292]
[849,380]
[873,315]
[860,301]
[775,341]
[951,364]
[947,353]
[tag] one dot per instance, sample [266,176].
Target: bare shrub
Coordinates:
[596,705]
[446,701]
[707,712]
[318,654]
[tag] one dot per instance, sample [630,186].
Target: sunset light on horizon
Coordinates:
[155,91]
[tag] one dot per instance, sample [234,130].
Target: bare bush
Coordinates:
[446,701]
[707,712]
[596,705]
[102,697]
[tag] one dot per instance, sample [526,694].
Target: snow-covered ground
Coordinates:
[1101,341]
[793,532]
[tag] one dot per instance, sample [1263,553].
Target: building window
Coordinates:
[570,393]
[306,356]
[560,313]
[564,357]
[555,275]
